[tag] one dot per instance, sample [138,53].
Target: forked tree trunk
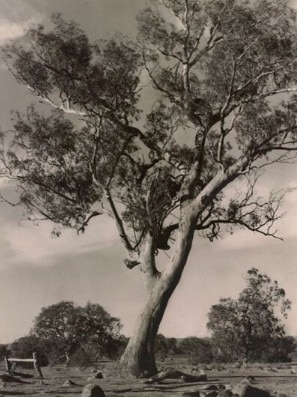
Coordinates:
[139,357]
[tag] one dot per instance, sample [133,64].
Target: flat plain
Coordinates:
[58,381]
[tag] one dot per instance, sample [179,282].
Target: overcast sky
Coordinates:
[37,271]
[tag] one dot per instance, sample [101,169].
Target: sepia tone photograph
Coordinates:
[148,198]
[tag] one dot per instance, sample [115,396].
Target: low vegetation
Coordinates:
[247,329]
[250,328]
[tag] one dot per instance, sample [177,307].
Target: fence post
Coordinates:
[7,364]
[36,364]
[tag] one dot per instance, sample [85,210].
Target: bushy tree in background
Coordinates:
[199,349]
[250,327]
[161,171]
[69,327]
[280,350]
[61,323]
[165,347]
[24,347]
[103,328]
[3,351]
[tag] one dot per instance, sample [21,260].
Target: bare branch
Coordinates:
[119,222]
[255,214]
[87,220]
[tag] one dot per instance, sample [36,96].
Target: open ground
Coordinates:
[58,381]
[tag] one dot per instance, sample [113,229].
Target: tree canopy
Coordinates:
[131,164]
[69,326]
[223,74]
[250,327]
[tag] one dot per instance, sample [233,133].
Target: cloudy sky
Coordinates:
[37,271]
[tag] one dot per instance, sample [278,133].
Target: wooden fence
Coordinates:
[11,363]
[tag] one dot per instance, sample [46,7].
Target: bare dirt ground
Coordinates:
[61,381]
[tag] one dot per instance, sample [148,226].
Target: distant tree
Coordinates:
[61,323]
[102,331]
[199,349]
[164,346]
[24,348]
[249,327]
[3,351]
[225,338]
[159,170]
[100,323]
[171,345]
[69,326]
[281,350]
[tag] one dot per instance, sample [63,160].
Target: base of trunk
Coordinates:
[137,363]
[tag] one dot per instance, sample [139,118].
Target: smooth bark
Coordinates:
[139,357]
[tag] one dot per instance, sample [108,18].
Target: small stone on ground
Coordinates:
[91,390]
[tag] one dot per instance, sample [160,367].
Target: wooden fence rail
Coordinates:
[11,363]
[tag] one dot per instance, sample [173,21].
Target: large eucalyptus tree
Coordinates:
[224,78]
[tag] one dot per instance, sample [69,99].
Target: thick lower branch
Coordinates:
[119,223]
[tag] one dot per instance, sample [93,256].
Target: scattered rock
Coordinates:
[250,378]
[10,378]
[221,386]
[212,394]
[98,375]
[69,382]
[225,393]
[209,387]
[91,390]
[191,394]
[249,391]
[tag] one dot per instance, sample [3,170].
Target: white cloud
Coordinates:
[32,245]
[16,17]
[9,31]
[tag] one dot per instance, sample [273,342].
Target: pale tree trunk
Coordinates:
[139,357]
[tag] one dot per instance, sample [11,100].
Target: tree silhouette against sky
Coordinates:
[224,76]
